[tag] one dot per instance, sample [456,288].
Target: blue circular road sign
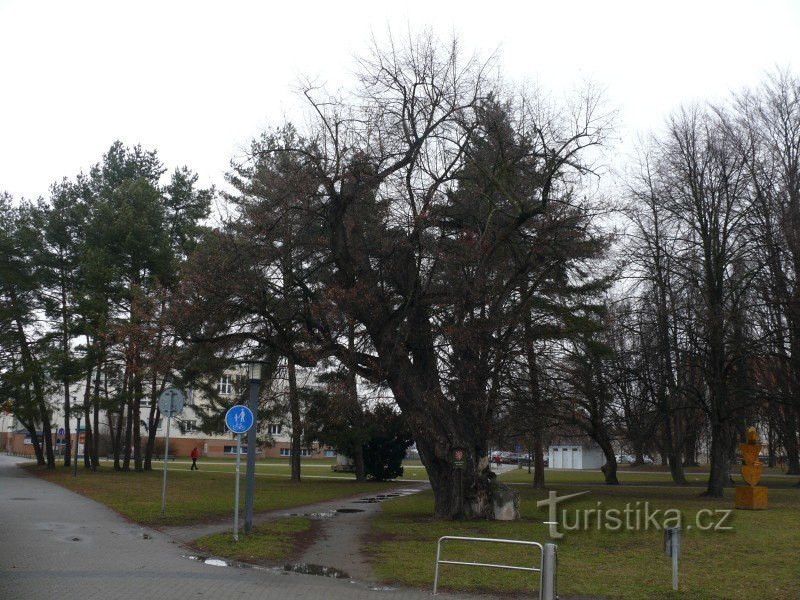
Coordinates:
[239,419]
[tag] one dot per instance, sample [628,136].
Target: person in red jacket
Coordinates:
[194,454]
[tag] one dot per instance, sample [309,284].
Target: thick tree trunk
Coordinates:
[358,462]
[294,409]
[721,458]
[673,448]
[792,454]
[610,468]
[459,493]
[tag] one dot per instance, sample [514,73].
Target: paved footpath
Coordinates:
[55,544]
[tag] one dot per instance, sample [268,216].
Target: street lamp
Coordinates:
[254,376]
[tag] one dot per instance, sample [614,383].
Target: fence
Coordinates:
[546,568]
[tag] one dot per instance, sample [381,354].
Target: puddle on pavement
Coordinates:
[349,510]
[314,515]
[22,498]
[312,569]
[381,497]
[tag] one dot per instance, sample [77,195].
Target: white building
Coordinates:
[576,456]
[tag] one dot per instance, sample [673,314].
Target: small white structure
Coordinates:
[576,456]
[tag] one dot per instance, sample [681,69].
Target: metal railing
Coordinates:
[546,568]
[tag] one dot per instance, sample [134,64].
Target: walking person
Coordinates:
[194,454]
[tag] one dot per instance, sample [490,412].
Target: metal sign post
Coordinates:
[239,420]
[170,402]
[672,547]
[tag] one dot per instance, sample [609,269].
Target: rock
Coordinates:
[506,504]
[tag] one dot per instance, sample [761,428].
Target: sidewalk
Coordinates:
[55,544]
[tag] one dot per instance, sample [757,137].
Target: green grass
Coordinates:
[313,469]
[758,557]
[634,477]
[196,496]
[266,544]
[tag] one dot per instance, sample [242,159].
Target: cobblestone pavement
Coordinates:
[55,544]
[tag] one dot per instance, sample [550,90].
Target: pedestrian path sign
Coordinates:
[239,419]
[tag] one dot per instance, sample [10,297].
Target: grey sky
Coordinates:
[196,80]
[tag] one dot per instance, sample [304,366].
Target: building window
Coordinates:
[329,453]
[232,450]
[274,429]
[288,452]
[225,385]
[191,425]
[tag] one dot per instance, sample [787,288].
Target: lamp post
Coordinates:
[254,376]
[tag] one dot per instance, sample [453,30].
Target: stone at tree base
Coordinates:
[506,504]
[751,497]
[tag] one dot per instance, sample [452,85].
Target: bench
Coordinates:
[161,457]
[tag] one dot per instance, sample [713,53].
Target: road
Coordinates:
[55,544]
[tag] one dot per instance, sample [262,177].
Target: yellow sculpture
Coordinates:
[751,496]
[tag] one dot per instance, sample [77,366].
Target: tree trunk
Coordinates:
[67,432]
[137,429]
[126,464]
[88,442]
[30,365]
[538,460]
[294,409]
[690,450]
[358,462]
[96,418]
[610,468]
[673,447]
[721,458]
[352,384]
[121,419]
[37,447]
[459,493]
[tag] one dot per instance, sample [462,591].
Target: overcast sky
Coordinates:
[197,80]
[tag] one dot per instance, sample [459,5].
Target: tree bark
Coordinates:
[721,458]
[294,410]
[538,460]
[88,440]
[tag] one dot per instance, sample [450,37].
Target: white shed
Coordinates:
[575,456]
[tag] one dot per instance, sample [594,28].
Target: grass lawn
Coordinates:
[196,496]
[266,544]
[758,557]
[312,469]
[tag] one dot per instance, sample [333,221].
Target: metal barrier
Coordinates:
[546,569]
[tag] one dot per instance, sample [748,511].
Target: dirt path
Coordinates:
[343,523]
